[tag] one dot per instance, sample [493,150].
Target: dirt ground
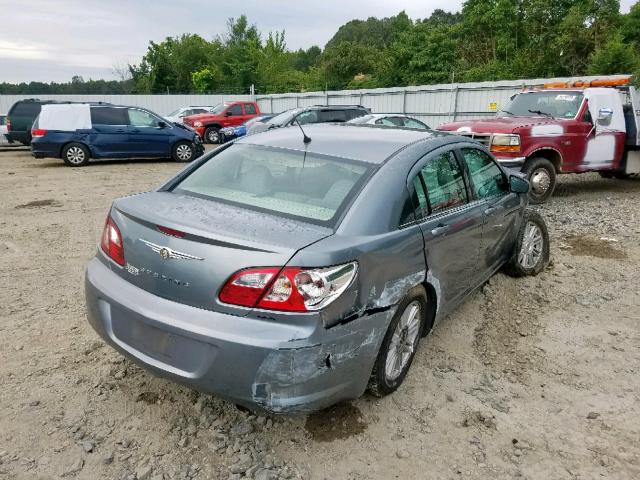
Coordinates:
[535,378]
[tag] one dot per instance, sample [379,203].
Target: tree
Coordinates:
[613,57]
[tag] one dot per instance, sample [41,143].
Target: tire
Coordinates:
[542,175]
[183,151]
[212,135]
[524,260]
[76,155]
[385,380]
[606,174]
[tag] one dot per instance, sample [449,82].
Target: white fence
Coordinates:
[435,104]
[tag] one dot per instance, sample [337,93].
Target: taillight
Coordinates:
[171,232]
[8,125]
[38,132]
[111,243]
[289,289]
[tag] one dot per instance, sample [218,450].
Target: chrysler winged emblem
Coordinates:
[166,253]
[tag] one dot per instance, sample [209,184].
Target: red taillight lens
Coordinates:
[246,287]
[171,232]
[8,125]
[111,243]
[38,132]
[290,289]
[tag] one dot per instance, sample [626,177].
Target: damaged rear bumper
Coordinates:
[255,362]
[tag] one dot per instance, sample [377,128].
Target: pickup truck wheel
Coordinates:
[76,155]
[531,251]
[211,135]
[183,152]
[542,176]
[399,344]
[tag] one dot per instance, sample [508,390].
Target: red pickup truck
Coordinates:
[564,128]
[227,114]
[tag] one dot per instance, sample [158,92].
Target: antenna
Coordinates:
[305,138]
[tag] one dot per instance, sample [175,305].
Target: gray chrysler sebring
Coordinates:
[289,271]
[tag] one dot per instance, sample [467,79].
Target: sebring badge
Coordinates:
[166,253]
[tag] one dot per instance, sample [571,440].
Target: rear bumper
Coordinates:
[254,362]
[41,148]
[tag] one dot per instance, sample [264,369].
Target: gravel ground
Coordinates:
[530,378]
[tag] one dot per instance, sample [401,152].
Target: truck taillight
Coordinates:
[8,125]
[38,132]
[290,289]
[111,242]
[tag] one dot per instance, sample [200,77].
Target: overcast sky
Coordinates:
[47,40]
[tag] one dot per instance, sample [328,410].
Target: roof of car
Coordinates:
[367,143]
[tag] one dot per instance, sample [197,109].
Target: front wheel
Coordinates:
[531,251]
[212,135]
[400,343]
[542,175]
[183,152]
[75,155]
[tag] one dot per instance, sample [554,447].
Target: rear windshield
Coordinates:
[314,189]
[26,109]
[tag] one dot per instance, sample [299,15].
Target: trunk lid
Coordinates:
[219,240]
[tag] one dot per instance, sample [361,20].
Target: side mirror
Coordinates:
[228,113]
[604,116]
[518,184]
[162,124]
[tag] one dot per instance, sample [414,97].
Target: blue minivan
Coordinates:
[79,132]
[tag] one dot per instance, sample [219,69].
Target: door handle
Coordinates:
[120,131]
[439,230]
[136,130]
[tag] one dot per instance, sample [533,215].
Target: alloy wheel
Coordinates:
[403,342]
[75,155]
[532,246]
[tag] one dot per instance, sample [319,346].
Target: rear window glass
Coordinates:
[283,182]
[109,116]
[27,109]
[249,109]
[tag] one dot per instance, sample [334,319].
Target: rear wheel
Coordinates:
[542,176]
[531,251]
[75,155]
[183,152]
[212,135]
[400,343]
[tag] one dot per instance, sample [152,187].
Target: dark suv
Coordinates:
[21,116]
[313,114]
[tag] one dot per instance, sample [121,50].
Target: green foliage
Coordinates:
[615,56]
[486,40]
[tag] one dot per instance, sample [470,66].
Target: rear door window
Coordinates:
[332,116]
[312,188]
[249,109]
[355,113]
[444,180]
[109,116]
[235,109]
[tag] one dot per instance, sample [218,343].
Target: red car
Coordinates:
[563,128]
[227,114]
